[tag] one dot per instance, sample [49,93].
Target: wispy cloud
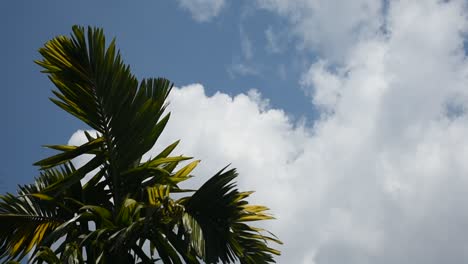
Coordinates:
[282,73]
[244,65]
[203,10]
[241,69]
[273,41]
[246,44]
[329,27]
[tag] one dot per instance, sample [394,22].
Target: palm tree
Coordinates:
[125,212]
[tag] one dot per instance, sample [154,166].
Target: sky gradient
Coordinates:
[348,118]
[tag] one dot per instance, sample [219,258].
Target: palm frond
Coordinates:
[97,87]
[221,211]
[29,217]
[70,152]
[25,220]
[195,233]
[126,202]
[45,254]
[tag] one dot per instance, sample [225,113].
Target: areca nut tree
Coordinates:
[125,210]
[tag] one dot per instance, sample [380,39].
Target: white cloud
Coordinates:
[329,26]
[327,86]
[340,192]
[203,10]
[383,177]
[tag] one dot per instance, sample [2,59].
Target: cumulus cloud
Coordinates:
[302,173]
[327,86]
[382,175]
[203,10]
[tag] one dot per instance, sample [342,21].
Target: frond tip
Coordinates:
[25,222]
[222,212]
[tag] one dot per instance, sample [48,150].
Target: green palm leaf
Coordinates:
[25,222]
[125,203]
[97,87]
[29,218]
[221,210]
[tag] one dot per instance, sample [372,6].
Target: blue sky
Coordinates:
[348,118]
[157,38]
